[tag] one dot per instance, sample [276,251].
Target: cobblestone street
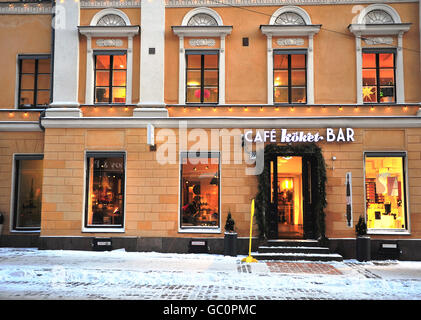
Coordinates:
[69,275]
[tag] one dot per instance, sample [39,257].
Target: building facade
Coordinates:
[150,121]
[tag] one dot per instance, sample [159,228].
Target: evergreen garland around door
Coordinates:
[319,184]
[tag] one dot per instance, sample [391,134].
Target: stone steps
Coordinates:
[297,250]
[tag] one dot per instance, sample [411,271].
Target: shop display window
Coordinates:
[289,77]
[28,192]
[34,81]
[379,77]
[105,190]
[385,191]
[202,76]
[200,189]
[110,77]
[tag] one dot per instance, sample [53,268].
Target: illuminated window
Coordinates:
[379,76]
[289,77]
[28,192]
[105,189]
[110,77]
[386,207]
[199,190]
[34,81]
[202,76]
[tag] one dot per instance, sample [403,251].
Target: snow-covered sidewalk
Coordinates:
[38,274]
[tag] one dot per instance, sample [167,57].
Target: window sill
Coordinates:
[388,232]
[26,231]
[199,230]
[103,230]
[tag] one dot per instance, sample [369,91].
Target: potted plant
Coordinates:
[363,248]
[230,237]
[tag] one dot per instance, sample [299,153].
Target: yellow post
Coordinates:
[250,258]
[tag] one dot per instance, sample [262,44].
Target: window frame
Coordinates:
[36,58]
[15,190]
[378,51]
[202,53]
[199,229]
[404,156]
[290,86]
[103,228]
[110,53]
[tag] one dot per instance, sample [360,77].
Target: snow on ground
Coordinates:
[43,274]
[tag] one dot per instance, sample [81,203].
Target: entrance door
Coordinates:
[289,197]
[290,210]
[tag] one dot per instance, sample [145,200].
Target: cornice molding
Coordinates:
[277,3]
[201,31]
[25,8]
[91,4]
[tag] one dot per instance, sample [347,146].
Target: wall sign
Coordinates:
[285,136]
[202,42]
[109,42]
[290,42]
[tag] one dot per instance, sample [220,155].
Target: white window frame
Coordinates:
[93,30]
[86,229]
[360,30]
[183,31]
[307,30]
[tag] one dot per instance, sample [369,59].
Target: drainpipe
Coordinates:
[53,34]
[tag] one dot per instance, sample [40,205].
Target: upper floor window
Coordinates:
[378,76]
[34,81]
[202,76]
[289,77]
[110,76]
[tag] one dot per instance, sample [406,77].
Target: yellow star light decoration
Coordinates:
[367,92]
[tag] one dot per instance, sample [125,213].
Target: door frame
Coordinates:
[309,167]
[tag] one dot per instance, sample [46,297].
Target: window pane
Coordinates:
[386,60]
[369,60]
[387,77]
[280,78]
[28,66]
[385,194]
[102,95]
[29,192]
[103,62]
[298,95]
[369,77]
[102,78]
[27,81]
[43,81]
[119,62]
[43,98]
[211,61]
[26,98]
[106,191]
[298,77]
[119,78]
[211,78]
[281,95]
[280,61]
[119,95]
[298,61]
[193,61]
[44,65]
[193,95]
[210,95]
[199,192]
[193,78]
[369,94]
[387,94]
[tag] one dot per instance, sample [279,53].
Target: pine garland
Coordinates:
[318,184]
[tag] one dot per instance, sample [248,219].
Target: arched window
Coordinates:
[289,18]
[202,19]
[111,20]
